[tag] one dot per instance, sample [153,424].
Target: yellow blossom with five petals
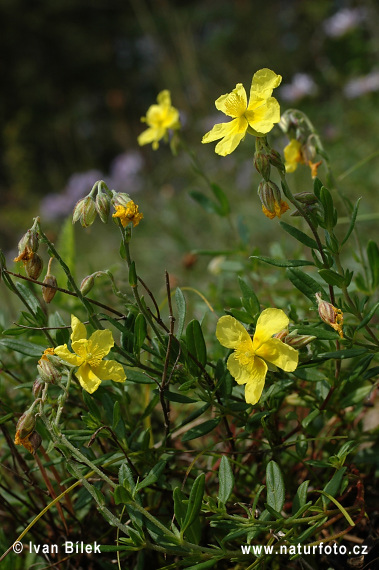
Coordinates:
[257,118]
[159,119]
[88,355]
[248,363]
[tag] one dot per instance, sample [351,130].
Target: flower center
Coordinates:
[245,353]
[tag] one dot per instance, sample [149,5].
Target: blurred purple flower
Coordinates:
[125,172]
[343,21]
[301,86]
[361,85]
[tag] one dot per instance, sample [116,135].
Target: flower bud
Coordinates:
[33,266]
[281,335]
[48,293]
[262,164]
[37,387]
[272,203]
[87,284]
[85,212]
[103,206]
[299,340]
[276,160]
[35,441]
[330,315]
[25,424]
[120,199]
[48,367]
[306,198]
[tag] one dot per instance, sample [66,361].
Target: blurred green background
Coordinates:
[77,77]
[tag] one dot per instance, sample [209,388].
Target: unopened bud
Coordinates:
[33,266]
[262,164]
[87,284]
[281,335]
[103,206]
[120,199]
[85,212]
[306,198]
[37,387]
[276,160]
[298,340]
[330,315]
[269,194]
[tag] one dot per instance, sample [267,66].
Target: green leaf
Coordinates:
[299,235]
[340,507]
[181,304]
[204,565]
[180,398]
[343,354]
[225,479]
[205,202]
[327,202]
[196,344]
[125,477]
[201,429]
[318,332]
[300,498]
[140,332]
[282,262]
[309,418]
[332,277]
[153,475]
[373,261]
[91,405]
[224,208]
[353,220]
[116,414]
[241,316]
[275,486]
[306,284]
[249,298]
[23,346]
[138,377]
[121,495]
[26,292]
[194,502]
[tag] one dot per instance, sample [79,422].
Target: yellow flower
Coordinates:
[159,119]
[257,117]
[128,213]
[293,155]
[88,356]
[247,364]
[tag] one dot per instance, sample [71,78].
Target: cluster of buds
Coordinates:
[27,253]
[330,315]
[293,339]
[25,431]
[100,200]
[302,147]
[309,203]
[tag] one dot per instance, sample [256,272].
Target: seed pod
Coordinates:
[33,266]
[48,293]
[87,284]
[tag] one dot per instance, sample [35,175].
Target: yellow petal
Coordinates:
[230,333]
[253,391]
[233,104]
[110,370]
[88,380]
[63,353]
[262,116]
[164,98]
[280,354]
[78,329]
[292,155]
[80,347]
[150,135]
[270,322]
[100,343]
[240,373]
[263,83]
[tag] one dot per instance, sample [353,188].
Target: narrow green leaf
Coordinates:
[195,342]
[353,220]
[225,479]
[23,346]
[121,495]
[318,332]
[194,502]
[300,497]
[309,418]
[343,354]
[241,316]
[327,202]
[206,203]
[332,277]
[26,292]
[140,332]
[282,262]
[116,414]
[224,208]
[125,477]
[204,565]
[200,430]
[306,284]
[91,405]
[153,475]
[249,299]
[340,507]
[275,486]
[299,235]
[181,304]
[137,377]
[367,318]
[373,261]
